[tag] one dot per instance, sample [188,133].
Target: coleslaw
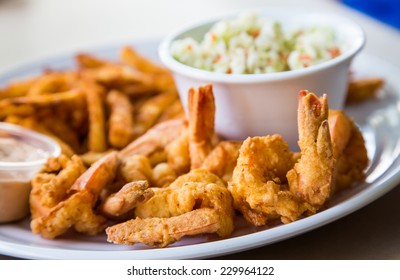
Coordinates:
[249,44]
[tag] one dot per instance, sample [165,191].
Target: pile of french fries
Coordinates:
[98,107]
[104,105]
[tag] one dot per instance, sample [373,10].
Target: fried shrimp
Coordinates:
[50,185]
[348,149]
[137,175]
[163,231]
[179,197]
[178,156]
[201,107]
[156,138]
[270,182]
[222,159]
[163,175]
[312,178]
[135,168]
[173,212]
[77,208]
[259,185]
[126,199]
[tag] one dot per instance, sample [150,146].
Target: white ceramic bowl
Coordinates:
[262,104]
[15,176]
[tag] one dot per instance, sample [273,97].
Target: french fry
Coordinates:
[175,110]
[95,101]
[139,89]
[120,132]
[116,75]
[363,89]
[27,105]
[131,57]
[150,111]
[77,115]
[53,82]
[17,89]
[70,105]
[63,131]
[85,61]
[91,157]
[161,78]
[19,110]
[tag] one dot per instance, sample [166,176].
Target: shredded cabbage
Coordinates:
[249,44]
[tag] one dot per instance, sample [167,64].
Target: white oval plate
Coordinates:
[380,123]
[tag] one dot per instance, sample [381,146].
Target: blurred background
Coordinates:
[387,11]
[31,29]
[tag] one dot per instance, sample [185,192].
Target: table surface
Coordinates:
[39,28]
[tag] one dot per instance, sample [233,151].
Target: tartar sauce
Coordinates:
[13,150]
[15,184]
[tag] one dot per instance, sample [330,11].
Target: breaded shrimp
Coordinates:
[51,184]
[201,123]
[348,149]
[167,212]
[270,182]
[259,186]
[135,168]
[137,177]
[312,178]
[178,156]
[222,159]
[156,138]
[77,210]
[163,175]
[126,199]
[163,231]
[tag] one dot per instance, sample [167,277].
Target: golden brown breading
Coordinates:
[201,107]
[120,122]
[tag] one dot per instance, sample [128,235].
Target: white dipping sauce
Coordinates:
[14,200]
[15,185]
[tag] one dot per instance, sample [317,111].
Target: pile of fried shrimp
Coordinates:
[135,166]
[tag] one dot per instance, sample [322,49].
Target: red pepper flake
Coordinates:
[213,37]
[304,57]
[217,58]
[334,52]
[255,33]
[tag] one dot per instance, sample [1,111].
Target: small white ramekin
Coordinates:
[263,104]
[15,177]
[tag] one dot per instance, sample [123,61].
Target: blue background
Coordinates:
[387,11]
